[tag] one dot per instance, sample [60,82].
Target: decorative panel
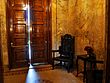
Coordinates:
[19,16]
[39,56]
[19,2]
[19,42]
[38,28]
[19,54]
[37,16]
[37,5]
[19,35]
[19,29]
[15,36]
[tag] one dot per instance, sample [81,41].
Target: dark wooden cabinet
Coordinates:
[18,31]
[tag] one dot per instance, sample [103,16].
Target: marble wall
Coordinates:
[84,19]
[3,32]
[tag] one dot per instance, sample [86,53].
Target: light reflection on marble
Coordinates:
[32,76]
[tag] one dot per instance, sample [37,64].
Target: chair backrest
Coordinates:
[67,45]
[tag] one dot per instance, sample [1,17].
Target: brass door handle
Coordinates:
[45,42]
[11,44]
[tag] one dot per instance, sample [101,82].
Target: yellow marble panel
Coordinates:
[3,32]
[84,19]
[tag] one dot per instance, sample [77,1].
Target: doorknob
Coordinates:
[46,42]
[11,44]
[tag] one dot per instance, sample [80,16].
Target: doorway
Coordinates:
[29,32]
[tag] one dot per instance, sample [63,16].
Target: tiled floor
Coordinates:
[59,76]
[48,76]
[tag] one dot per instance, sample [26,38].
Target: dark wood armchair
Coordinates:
[66,52]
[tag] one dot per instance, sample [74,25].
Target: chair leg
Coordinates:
[69,66]
[68,69]
[53,64]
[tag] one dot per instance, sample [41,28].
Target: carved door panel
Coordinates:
[40,30]
[17,25]
[17,32]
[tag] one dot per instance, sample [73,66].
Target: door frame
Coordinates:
[107,59]
[49,57]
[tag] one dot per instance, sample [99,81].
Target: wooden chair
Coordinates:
[66,52]
[94,75]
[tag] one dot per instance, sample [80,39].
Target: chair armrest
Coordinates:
[95,61]
[53,52]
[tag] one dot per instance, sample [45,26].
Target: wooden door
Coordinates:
[40,30]
[18,35]
[17,29]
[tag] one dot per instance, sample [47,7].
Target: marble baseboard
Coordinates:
[25,70]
